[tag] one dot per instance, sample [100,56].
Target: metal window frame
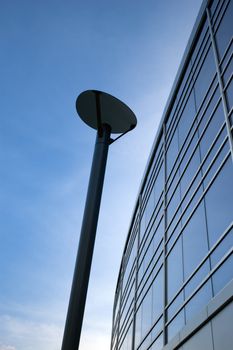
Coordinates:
[201,196]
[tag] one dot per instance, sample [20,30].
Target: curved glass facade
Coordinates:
[178,253]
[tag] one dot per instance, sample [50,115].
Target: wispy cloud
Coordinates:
[28,335]
[6,347]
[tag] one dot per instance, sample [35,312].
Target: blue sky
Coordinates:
[50,52]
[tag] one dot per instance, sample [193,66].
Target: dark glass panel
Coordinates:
[172,309]
[229,95]
[158,235]
[178,100]
[216,122]
[173,204]
[213,153]
[225,30]
[208,110]
[148,256]
[190,172]
[204,78]
[195,240]
[219,202]
[197,279]
[200,42]
[228,72]
[187,207]
[213,7]
[172,184]
[176,325]
[175,233]
[172,152]
[223,275]
[217,163]
[149,208]
[159,184]
[208,104]
[225,245]
[174,270]
[186,119]
[187,153]
[147,312]
[157,298]
[198,301]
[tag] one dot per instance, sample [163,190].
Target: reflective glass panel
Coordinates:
[219,202]
[225,30]
[174,269]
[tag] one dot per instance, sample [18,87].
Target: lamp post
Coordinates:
[107,115]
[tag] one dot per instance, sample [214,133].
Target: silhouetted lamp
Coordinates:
[107,115]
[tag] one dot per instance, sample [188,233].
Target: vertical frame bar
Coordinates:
[222,93]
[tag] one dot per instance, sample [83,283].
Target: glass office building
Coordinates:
[175,288]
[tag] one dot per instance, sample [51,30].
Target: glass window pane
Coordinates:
[195,240]
[157,290]
[199,300]
[172,309]
[174,270]
[228,72]
[158,344]
[217,162]
[190,171]
[223,275]
[204,78]
[172,152]
[212,130]
[138,327]
[225,245]
[173,204]
[157,328]
[225,30]
[175,326]
[186,119]
[229,95]
[197,279]
[219,202]
[147,312]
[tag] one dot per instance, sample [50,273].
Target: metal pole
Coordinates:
[79,288]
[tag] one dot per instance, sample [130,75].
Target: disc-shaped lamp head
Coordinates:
[96,108]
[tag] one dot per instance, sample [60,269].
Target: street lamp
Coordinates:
[107,115]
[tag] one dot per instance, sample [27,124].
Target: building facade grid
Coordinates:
[178,253]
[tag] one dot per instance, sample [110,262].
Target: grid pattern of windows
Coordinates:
[178,253]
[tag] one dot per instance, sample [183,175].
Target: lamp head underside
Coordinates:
[96,108]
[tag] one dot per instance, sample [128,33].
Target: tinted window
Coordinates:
[174,270]
[225,245]
[223,275]
[199,300]
[172,152]
[225,30]
[219,202]
[157,290]
[186,119]
[175,325]
[194,240]
[229,94]
[204,78]
[197,279]
[212,129]
[147,312]
[190,171]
